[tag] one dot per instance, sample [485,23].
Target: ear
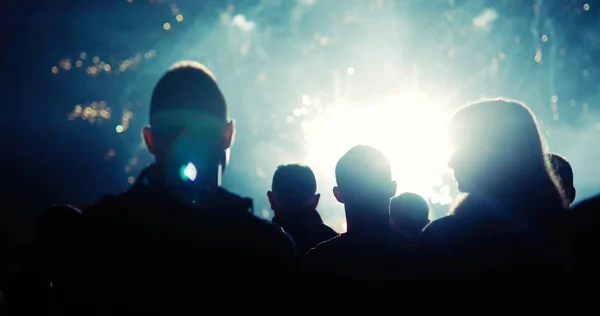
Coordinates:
[228,135]
[314,201]
[393,189]
[272,199]
[338,194]
[573,195]
[149,140]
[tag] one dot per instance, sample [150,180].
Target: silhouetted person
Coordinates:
[294,201]
[562,168]
[370,254]
[409,213]
[175,241]
[584,226]
[504,232]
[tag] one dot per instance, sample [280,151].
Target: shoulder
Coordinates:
[273,233]
[585,213]
[105,204]
[59,216]
[59,212]
[266,226]
[589,205]
[59,227]
[237,207]
[441,223]
[328,230]
[323,248]
[439,228]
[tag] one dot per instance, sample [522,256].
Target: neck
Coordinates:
[208,175]
[368,219]
[297,214]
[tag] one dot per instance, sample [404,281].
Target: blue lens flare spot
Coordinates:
[189,172]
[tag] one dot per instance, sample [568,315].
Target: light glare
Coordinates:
[407,128]
[190,172]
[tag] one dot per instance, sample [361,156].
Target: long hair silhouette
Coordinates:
[499,156]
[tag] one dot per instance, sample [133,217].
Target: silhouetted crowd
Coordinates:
[176,242]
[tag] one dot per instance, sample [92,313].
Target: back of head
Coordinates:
[187,86]
[501,128]
[187,98]
[364,177]
[409,212]
[562,168]
[294,185]
[499,152]
[189,132]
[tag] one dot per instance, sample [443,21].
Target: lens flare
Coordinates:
[189,172]
[408,128]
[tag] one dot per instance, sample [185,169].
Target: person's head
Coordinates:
[562,168]
[187,101]
[498,150]
[364,184]
[409,213]
[294,188]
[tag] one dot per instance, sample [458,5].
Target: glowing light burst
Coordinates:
[189,172]
[408,128]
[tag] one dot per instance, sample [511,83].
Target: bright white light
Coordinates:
[485,18]
[190,172]
[408,128]
[243,24]
[350,71]
[308,2]
[306,100]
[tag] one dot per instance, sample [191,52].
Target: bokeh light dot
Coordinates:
[306,100]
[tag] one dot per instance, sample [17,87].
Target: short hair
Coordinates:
[294,184]
[562,168]
[409,206]
[363,170]
[188,85]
